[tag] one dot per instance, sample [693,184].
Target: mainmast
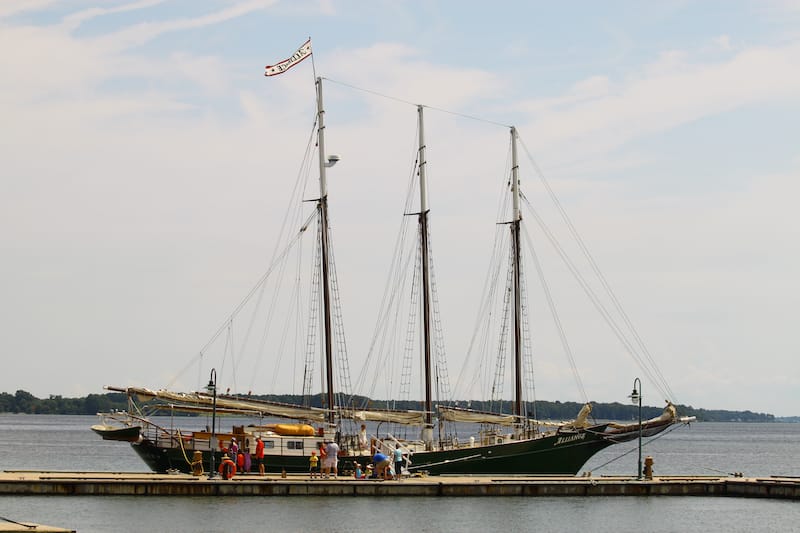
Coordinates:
[515,243]
[322,206]
[426,296]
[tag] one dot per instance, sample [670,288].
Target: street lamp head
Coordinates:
[635,397]
[212,381]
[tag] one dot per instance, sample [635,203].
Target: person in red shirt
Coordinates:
[260,455]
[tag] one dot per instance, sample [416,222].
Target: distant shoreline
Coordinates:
[25,403]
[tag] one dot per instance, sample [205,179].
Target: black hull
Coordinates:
[125,434]
[558,454]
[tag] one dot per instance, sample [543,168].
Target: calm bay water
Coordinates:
[30,442]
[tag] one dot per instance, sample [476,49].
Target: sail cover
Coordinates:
[248,406]
[454,414]
[411,418]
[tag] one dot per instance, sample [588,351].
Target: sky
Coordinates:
[146,165]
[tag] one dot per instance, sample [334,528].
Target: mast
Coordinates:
[426,296]
[322,206]
[515,242]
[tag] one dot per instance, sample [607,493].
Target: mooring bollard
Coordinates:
[648,467]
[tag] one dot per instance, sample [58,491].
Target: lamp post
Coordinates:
[636,398]
[212,389]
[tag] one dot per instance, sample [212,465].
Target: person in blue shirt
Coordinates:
[381,465]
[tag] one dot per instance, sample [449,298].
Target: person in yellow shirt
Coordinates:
[313,465]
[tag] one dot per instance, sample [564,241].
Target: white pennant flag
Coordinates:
[303,52]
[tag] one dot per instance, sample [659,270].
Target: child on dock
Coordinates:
[313,465]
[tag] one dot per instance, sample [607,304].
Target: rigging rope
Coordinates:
[529,383]
[313,321]
[482,330]
[397,276]
[556,318]
[443,393]
[609,319]
[342,362]
[645,443]
[660,382]
[288,221]
[402,101]
[502,351]
[239,307]
[411,329]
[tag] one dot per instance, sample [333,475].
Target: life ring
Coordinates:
[227,468]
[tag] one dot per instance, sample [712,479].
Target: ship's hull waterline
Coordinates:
[561,453]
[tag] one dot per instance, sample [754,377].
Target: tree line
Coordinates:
[25,402]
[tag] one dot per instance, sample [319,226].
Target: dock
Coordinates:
[10,526]
[41,483]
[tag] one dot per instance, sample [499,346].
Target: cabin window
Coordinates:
[268,444]
[294,445]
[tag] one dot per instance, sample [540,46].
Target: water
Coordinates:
[31,442]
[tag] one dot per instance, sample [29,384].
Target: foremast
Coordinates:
[322,207]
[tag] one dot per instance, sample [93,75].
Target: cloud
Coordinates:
[400,71]
[73,21]
[724,42]
[139,34]
[603,115]
[53,68]
[10,8]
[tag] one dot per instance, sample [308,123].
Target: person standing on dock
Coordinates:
[234,449]
[248,463]
[260,455]
[313,465]
[398,461]
[331,460]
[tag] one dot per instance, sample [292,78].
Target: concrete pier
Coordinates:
[142,484]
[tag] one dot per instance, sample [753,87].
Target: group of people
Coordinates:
[329,454]
[243,462]
[383,463]
[322,463]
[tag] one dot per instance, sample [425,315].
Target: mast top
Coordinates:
[515,175]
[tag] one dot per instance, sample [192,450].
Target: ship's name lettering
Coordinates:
[570,438]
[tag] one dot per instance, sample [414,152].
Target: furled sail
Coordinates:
[455,414]
[230,404]
[626,432]
[411,418]
[582,420]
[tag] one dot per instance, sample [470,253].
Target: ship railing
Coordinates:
[171,438]
[407,452]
